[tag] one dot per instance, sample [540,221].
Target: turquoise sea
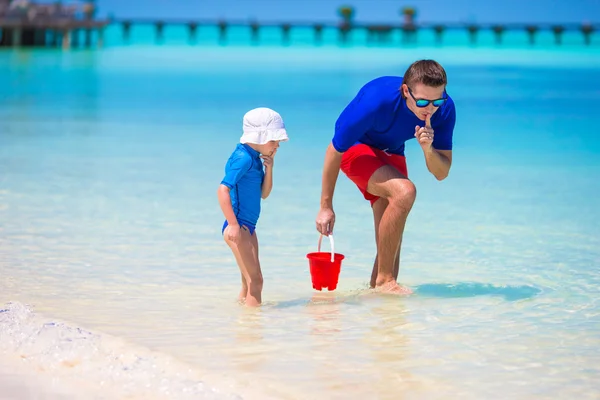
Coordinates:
[115,281]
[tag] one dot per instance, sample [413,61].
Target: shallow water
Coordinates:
[109,164]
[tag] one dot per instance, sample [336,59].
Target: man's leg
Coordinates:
[378,209]
[400,193]
[382,180]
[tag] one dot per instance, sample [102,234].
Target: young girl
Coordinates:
[241,190]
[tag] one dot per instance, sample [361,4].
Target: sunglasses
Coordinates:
[424,102]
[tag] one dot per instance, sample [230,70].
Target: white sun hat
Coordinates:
[262,125]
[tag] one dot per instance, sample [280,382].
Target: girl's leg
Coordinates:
[244,291]
[258,287]
[246,255]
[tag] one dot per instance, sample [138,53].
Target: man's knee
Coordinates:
[388,183]
[402,192]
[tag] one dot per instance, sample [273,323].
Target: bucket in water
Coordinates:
[325,267]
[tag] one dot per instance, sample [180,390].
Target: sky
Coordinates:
[443,11]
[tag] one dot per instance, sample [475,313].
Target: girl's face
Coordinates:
[270,147]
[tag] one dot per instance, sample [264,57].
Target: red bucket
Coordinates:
[325,267]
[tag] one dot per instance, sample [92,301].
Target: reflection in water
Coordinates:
[324,308]
[388,343]
[248,354]
[46,96]
[472,289]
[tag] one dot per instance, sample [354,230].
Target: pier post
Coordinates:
[16,37]
[285,33]
[439,33]
[100,43]
[318,33]
[66,39]
[54,38]
[344,31]
[254,32]
[531,31]
[587,30]
[558,31]
[88,38]
[126,30]
[159,26]
[379,33]
[75,38]
[473,29]
[192,27]
[40,37]
[498,32]
[222,31]
[409,33]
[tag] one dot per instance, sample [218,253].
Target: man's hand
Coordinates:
[424,134]
[438,161]
[325,221]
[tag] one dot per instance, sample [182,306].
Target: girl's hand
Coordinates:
[232,233]
[268,160]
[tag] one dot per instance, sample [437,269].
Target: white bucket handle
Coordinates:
[330,243]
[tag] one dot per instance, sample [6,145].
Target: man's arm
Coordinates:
[438,162]
[331,170]
[437,144]
[356,119]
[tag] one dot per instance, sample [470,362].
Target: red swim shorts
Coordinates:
[360,161]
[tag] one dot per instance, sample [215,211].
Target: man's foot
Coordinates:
[392,287]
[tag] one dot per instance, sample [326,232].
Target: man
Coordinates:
[368,146]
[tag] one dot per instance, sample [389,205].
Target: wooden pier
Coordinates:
[24,23]
[65,32]
[56,33]
[381,33]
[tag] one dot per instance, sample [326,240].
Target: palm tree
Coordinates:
[89,12]
[409,28]
[347,14]
[409,15]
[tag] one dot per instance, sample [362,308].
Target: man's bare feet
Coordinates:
[392,287]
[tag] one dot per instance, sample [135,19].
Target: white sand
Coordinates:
[15,384]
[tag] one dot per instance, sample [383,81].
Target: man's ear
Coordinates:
[404,89]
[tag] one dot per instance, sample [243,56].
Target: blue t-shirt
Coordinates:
[379,117]
[244,177]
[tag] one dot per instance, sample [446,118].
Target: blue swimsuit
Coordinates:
[244,176]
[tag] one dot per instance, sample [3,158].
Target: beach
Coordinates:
[115,280]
